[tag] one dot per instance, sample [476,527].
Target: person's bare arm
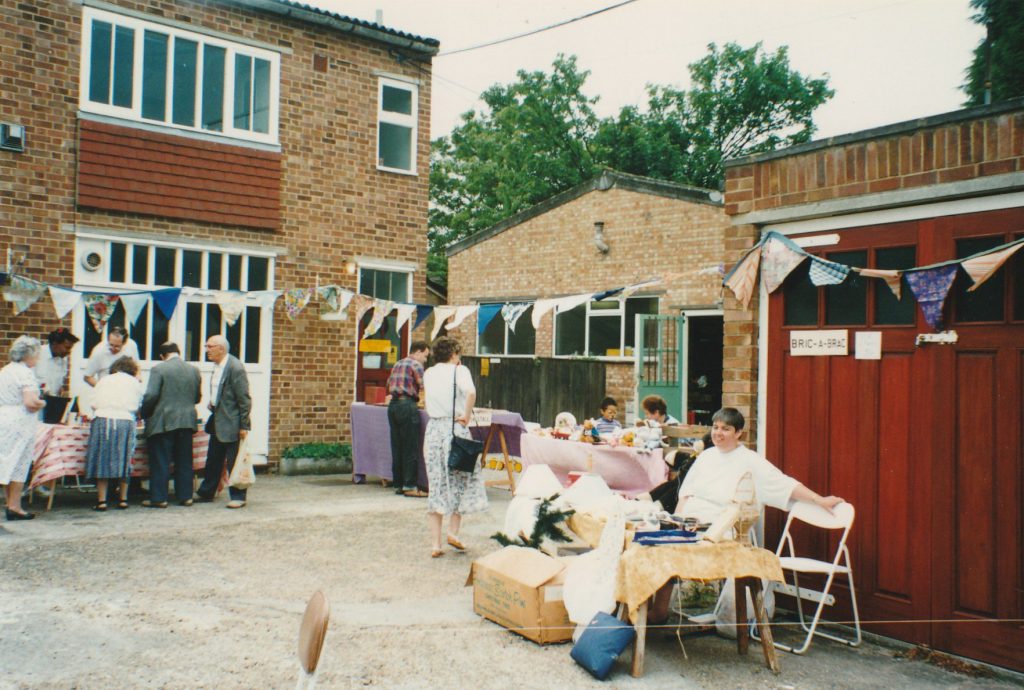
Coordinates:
[802,493]
[468,414]
[31,400]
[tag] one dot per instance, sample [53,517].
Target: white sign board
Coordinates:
[818,343]
[868,345]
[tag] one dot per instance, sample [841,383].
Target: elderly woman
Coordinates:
[116,400]
[449,394]
[19,403]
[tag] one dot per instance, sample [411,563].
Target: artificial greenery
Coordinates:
[546,527]
[318,451]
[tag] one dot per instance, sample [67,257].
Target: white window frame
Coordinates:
[504,352]
[134,113]
[410,120]
[620,312]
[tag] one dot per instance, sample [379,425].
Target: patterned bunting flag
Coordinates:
[511,314]
[100,308]
[22,292]
[540,308]
[403,312]
[930,288]
[295,300]
[363,304]
[334,302]
[422,312]
[461,314]
[778,260]
[166,300]
[441,314]
[381,309]
[892,278]
[743,277]
[981,268]
[133,304]
[485,315]
[64,300]
[827,272]
[232,304]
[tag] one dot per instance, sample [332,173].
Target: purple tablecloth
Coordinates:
[371,440]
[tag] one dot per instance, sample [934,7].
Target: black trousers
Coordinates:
[166,449]
[404,420]
[219,454]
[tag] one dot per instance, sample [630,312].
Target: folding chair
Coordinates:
[311,639]
[841,518]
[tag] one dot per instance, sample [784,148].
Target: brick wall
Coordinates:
[335,203]
[553,254]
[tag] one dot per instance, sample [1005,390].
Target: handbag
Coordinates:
[464,451]
[242,475]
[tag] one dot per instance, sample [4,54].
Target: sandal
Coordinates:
[455,543]
[122,505]
[436,553]
[100,507]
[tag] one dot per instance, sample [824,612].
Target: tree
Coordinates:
[999,59]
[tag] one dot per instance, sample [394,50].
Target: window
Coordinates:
[185,80]
[986,304]
[499,339]
[396,126]
[384,284]
[846,303]
[601,329]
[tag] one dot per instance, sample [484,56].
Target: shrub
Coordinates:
[319,451]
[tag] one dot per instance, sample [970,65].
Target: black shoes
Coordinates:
[11,515]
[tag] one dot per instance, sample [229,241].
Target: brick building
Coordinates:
[925,440]
[245,145]
[651,228]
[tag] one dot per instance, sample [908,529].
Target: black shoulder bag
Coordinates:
[464,451]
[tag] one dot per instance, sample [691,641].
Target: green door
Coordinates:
[659,357]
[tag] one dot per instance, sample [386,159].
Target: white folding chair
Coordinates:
[311,639]
[841,518]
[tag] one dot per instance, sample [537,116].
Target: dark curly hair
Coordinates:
[445,348]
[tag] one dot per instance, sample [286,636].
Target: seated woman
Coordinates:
[607,423]
[656,411]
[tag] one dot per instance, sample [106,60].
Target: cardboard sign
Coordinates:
[818,343]
[868,345]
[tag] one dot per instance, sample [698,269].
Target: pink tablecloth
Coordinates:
[60,452]
[624,469]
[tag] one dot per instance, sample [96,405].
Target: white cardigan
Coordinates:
[117,396]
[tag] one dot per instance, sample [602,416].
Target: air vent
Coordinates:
[91,261]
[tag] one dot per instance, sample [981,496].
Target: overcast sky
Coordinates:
[888,60]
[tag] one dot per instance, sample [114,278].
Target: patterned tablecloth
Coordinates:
[60,452]
[624,469]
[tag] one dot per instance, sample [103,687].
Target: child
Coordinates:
[607,424]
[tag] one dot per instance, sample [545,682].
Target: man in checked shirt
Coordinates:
[404,387]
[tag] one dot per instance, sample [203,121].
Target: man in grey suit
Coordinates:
[169,408]
[228,424]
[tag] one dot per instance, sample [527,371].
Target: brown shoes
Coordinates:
[455,543]
[436,553]
[415,493]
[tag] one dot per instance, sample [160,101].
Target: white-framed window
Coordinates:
[499,339]
[601,329]
[396,125]
[154,73]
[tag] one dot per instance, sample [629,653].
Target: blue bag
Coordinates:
[601,643]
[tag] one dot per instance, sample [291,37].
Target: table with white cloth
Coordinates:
[629,470]
[60,451]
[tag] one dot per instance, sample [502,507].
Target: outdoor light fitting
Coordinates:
[599,242]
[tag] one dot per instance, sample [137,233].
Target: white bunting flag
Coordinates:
[64,300]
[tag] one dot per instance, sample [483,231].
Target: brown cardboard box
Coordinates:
[521,589]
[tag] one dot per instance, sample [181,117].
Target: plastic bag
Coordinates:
[725,609]
[242,475]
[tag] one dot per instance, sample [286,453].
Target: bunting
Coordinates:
[403,312]
[930,287]
[134,304]
[363,304]
[22,292]
[100,308]
[231,304]
[485,315]
[334,302]
[295,300]
[422,312]
[381,309]
[743,277]
[265,298]
[166,300]
[892,278]
[827,272]
[540,308]
[571,302]
[441,314]
[461,314]
[511,314]
[778,259]
[981,267]
[64,300]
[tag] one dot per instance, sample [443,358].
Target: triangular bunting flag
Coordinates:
[930,288]
[892,278]
[486,315]
[981,268]
[100,308]
[22,292]
[540,308]
[166,300]
[334,302]
[571,302]
[264,298]
[422,312]
[778,260]
[461,314]
[381,309]
[742,279]
[441,314]
[232,304]
[362,304]
[133,304]
[511,314]
[827,272]
[295,300]
[403,312]
[630,289]
[64,300]
[607,293]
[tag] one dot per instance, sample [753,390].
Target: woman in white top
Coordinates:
[452,492]
[19,403]
[116,401]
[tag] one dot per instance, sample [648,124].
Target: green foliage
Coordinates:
[546,527]
[1000,58]
[318,451]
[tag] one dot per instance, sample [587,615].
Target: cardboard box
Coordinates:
[521,589]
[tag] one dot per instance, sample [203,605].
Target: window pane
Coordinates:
[888,309]
[234,336]
[570,332]
[191,268]
[1015,267]
[800,297]
[118,251]
[366,279]
[140,264]
[637,305]
[985,303]
[213,272]
[140,331]
[116,317]
[193,345]
[259,270]
[382,285]
[213,88]
[92,338]
[212,321]
[243,90]
[523,340]
[161,331]
[395,100]
[261,96]
[234,272]
[395,146]
[252,334]
[124,64]
[99,62]
[492,340]
[164,266]
[183,103]
[605,332]
[846,303]
[154,76]
[399,286]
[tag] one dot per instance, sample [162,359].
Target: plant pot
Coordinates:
[298,466]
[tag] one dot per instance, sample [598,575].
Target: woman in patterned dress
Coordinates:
[19,403]
[116,401]
[452,492]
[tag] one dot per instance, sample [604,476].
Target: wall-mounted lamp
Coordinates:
[350,267]
[599,242]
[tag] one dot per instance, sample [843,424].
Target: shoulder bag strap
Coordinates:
[455,381]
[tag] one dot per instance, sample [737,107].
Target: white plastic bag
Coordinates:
[590,578]
[725,609]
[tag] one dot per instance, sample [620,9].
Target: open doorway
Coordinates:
[704,342]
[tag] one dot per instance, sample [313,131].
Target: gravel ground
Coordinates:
[204,597]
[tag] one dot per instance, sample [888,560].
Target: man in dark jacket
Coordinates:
[169,408]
